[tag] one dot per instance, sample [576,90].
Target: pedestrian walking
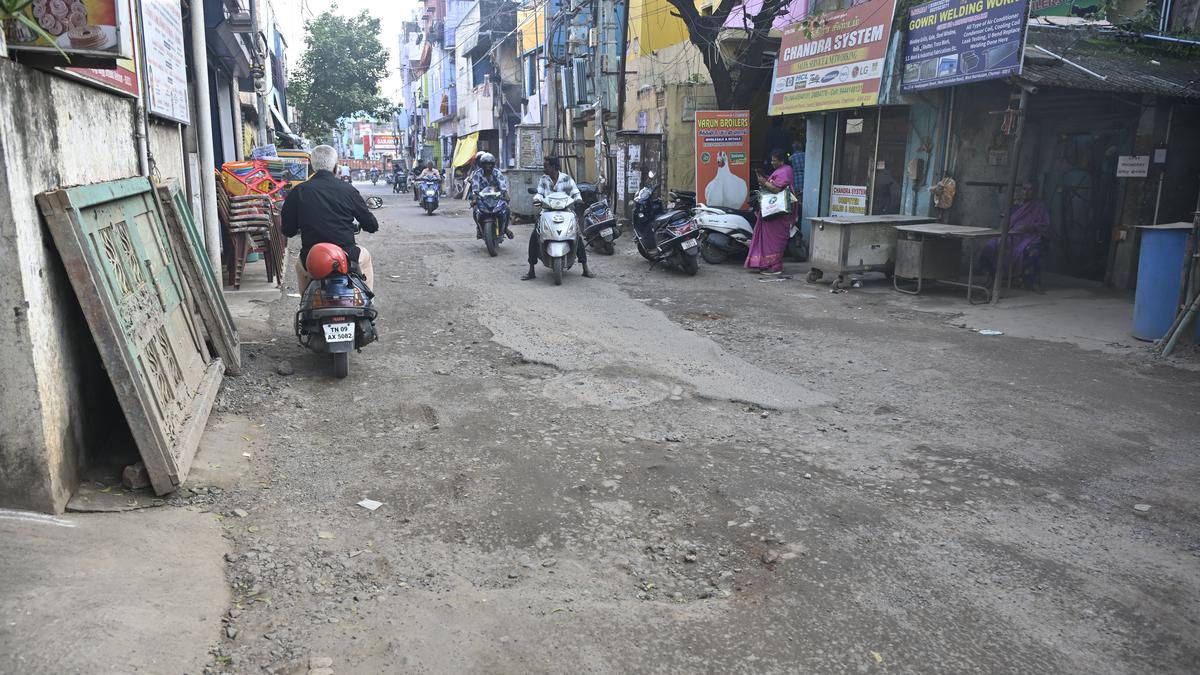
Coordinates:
[771,233]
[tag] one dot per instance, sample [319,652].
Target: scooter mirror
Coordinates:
[650,174]
[532,191]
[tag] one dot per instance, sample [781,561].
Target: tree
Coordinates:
[741,74]
[339,73]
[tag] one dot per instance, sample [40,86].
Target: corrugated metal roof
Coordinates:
[1131,68]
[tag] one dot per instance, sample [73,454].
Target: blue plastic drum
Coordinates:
[1159,269]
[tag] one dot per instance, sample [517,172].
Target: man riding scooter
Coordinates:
[482,178]
[322,210]
[427,172]
[555,180]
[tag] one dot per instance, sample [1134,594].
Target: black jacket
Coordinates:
[323,210]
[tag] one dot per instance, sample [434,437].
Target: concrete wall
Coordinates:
[53,132]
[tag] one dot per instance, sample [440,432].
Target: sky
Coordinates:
[291,14]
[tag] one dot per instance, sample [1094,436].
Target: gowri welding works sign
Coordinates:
[958,41]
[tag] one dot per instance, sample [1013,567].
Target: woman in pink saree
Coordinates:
[771,234]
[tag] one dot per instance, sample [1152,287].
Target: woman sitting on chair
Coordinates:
[1028,240]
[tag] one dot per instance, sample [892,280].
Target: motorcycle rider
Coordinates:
[322,210]
[427,172]
[374,176]
[555,180]
[482,178]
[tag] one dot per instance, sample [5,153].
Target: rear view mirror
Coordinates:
[532,191]
[650,174]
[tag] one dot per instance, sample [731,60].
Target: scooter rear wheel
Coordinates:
[689,264]
[341,365]
[648,255]
[711,254]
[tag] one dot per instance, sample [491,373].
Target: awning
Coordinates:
[464,150]
[1064,58]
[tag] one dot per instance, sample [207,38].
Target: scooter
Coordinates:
[491,218]
[557,231]
[430,191]
[668,237]
[600,226]
[399,182]
[336,316]
[727,232]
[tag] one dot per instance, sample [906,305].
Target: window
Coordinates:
[480,69]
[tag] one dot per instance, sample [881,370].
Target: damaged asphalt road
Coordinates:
[652,473]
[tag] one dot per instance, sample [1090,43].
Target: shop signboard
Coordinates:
[100,28]
[166,67]
[837,64]
[1082,8]
[723,157]
[959,41]
[848,200]
[122,79]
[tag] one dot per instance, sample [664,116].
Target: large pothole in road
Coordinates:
[577,390]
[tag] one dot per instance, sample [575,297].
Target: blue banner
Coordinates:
[959,41]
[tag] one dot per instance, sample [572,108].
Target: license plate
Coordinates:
[606,232]
[339,332]
[690,243]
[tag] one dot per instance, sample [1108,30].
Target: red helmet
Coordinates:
[327,259]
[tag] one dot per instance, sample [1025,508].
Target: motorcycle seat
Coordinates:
[748,215]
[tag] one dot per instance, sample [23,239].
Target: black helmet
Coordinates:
[487,160]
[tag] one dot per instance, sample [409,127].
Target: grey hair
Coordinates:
[324,158]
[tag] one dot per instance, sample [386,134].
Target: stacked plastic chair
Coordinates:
[252,224]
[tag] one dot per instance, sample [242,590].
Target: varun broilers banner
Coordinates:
[839,66]
[723,157]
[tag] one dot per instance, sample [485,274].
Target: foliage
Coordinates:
[15,10]
[738,76]
[339,73]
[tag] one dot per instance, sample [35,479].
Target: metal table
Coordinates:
[934,252]
[855,244]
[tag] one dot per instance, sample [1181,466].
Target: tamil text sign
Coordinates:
[837,64]
[958,41]
[723,157]
[166,68]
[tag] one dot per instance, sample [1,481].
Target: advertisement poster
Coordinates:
[848,200]
[959,41]
[839,65]
[92,27]
[723,157]
[166,69]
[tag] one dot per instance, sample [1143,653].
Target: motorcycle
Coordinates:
[399,182]
[668,237]
[557,231]
[600,226]
[430,191]
[491,218]
[374,179]
[336,316]
[727,232]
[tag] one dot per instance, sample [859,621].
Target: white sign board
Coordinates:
[166,71]
[1133,166]
[848,200]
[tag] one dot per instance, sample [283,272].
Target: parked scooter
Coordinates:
[600,226]
[491,218]
[335,315]
[668,237]
[557,231]
[430,191]
[727,232]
